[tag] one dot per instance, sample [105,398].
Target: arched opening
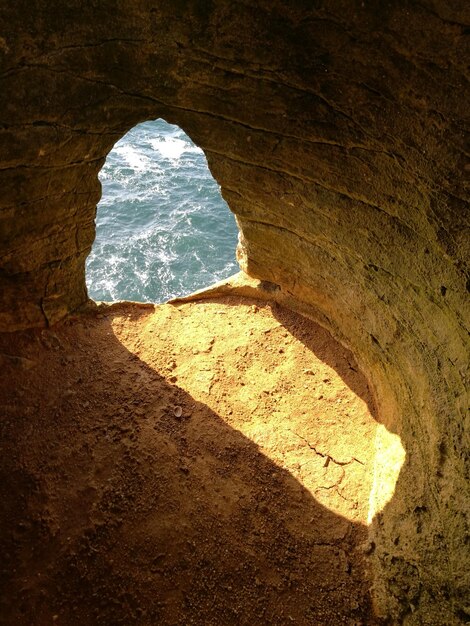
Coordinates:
[162,228]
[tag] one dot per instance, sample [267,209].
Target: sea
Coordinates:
[162,228]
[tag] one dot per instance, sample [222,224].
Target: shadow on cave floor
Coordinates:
[321,344]
[176,467]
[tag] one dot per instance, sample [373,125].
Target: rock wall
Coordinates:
[337,134]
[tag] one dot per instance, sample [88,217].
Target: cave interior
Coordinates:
[338,135]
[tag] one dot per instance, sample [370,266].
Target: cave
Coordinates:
[337,133]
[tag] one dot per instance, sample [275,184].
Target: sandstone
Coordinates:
[337,134]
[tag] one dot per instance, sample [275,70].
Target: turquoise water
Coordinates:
[162,227]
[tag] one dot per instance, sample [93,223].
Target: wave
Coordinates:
[163,229]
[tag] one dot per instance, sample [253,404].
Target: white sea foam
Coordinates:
[134,158]
[159,203]
[169,147]
[173,148]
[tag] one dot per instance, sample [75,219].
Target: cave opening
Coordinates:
[163,229]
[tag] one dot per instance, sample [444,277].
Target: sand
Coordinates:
[206,463]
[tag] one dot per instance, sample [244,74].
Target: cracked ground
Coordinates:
[208,463]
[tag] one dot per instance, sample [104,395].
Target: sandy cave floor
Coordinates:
[207,463]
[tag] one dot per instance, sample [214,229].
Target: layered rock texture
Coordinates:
[337,131]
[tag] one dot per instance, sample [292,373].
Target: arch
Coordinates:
[163,228]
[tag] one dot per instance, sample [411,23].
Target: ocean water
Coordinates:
[162,228]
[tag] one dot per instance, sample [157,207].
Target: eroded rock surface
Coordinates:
[337,134]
